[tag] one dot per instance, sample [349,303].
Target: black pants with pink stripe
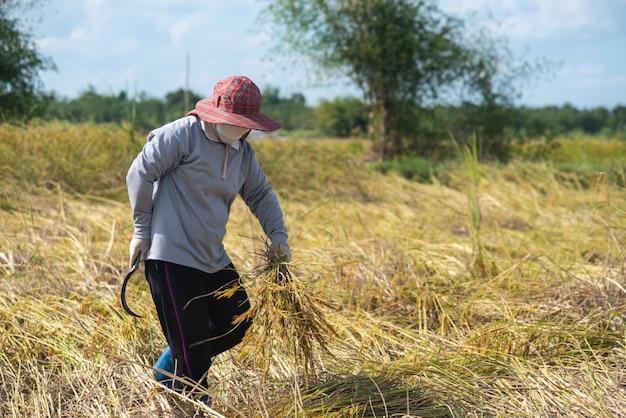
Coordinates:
[196,319]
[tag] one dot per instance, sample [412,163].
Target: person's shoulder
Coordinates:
[247,149]
[176,127]
[247,146]
[185,122]
[179,129]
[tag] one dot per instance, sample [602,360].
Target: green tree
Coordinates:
[401,53]
[341,117]
[175,103]
[20,63]
[291,111]
[91,106]
[618,121]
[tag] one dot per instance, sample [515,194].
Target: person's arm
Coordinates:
[263,202]
[162,152]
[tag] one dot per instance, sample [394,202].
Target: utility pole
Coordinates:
[186,86]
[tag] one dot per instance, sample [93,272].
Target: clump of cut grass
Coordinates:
[288,318]
[363,395]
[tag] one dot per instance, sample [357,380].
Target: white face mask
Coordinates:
[230,133]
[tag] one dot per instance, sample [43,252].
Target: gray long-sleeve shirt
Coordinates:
[181,187]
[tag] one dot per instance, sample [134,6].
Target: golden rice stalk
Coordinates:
[288,319]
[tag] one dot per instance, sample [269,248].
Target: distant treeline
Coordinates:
[347,116]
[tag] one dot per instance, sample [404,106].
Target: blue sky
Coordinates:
[142,45]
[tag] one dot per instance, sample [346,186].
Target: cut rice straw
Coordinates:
[288,317]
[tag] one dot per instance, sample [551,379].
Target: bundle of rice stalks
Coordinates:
[371,396]
[288,319]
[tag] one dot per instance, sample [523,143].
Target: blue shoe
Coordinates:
[164,363]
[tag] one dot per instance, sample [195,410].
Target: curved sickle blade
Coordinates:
[133,269]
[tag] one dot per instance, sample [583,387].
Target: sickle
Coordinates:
[133,269]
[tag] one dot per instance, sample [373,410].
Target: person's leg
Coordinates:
[164,364]
[224,310]
[183,321]
[196,311]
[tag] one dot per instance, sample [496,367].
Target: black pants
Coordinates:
[197,321]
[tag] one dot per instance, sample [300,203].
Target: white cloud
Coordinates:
[180,32]
[590,69]
[613,82]
[52,43]
[127,46]
[540,19]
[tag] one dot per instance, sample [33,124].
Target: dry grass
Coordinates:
[384,266]
[290,327]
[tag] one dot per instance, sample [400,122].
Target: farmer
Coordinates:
[181,187]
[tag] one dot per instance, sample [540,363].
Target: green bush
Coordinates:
[412,168]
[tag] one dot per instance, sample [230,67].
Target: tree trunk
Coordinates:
[379,131]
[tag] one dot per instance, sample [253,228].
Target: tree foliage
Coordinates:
[403,54]
[20,63]
[144,112]
[341,117]
[292,111]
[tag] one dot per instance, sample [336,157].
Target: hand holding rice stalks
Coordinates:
[288,318]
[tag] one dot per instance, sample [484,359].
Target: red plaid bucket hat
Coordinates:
[237,101]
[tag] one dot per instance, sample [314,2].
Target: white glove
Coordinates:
[280,252]
[138,246]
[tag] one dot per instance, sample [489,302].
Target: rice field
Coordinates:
[491,291]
